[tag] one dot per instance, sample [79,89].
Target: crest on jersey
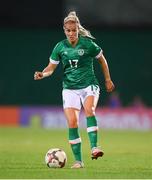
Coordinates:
[81,52]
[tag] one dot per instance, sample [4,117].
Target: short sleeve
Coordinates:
[55,56]
[95,50]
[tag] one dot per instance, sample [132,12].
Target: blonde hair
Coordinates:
[82,31]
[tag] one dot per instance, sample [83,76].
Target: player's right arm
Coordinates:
[53,62]
[48,71]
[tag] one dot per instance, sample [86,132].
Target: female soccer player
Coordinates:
[80,86]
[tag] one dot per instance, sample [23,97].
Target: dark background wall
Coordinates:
[30,13]
[30,29]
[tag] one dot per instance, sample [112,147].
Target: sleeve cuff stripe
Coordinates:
[100,53]
[54,62]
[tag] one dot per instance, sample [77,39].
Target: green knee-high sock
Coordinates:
[75,141]
[92,130]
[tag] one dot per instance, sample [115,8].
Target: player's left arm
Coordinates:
[105,69]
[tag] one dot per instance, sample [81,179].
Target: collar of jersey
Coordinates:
[68,43]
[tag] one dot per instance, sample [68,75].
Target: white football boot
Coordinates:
[96,152]
[77,165]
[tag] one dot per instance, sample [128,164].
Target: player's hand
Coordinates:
[38,75]
[109,86]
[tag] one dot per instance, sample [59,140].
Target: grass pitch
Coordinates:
[128,154]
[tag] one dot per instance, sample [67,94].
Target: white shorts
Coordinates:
[74,98]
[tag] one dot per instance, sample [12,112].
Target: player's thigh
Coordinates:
[72,106]
[91,100]
[90,105]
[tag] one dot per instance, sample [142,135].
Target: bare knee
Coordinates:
[72,123]
[72,116]
[89,111]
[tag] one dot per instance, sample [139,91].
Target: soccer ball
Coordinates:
[55,158]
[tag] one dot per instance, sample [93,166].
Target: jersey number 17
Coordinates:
[73,63]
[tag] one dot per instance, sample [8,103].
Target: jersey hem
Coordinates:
[75,88]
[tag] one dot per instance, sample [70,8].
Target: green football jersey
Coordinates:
[77,62]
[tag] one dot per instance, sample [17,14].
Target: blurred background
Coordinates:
[30,29]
